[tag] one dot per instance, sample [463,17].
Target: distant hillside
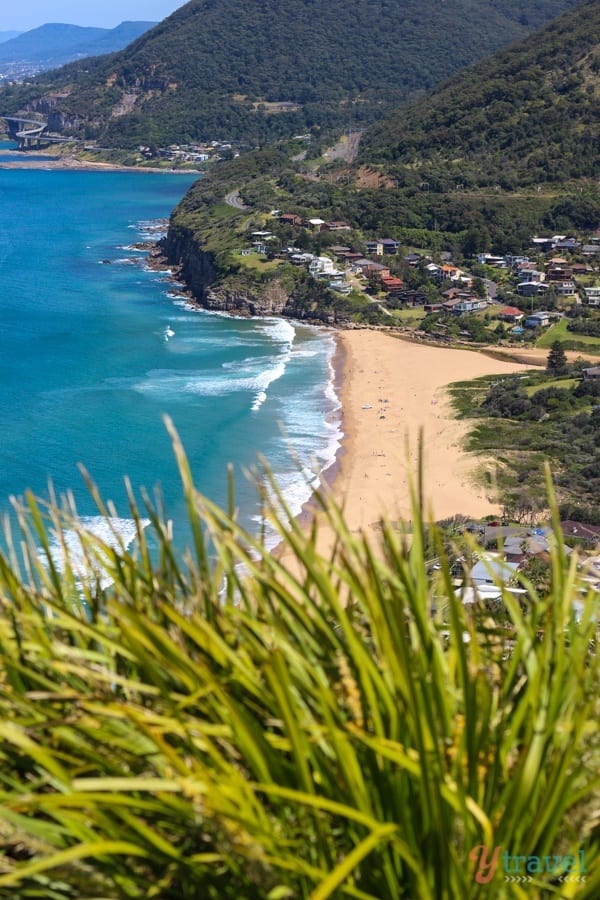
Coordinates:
[527,116]
[260,70]
[8,35]
[53,45]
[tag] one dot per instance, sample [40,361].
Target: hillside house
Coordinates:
[510,314]
[390,246]
[532,288]
[579,269]
[592,372]
[413,259]
[450,273]
[434,271]
[392,285]
[528,272]
[592,295]
[565,288]
[291,219]
[469,305]
[570,244]
[545,244]
[382,246]
[322,266]
[411,297]
[539,319]
[450,305]
[558,273]
[518,548]
[368,268]
[453,293]
[512,261]
[301,259]
[336,226]
[497,262]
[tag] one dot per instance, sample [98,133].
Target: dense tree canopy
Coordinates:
[527,116]
[215,69]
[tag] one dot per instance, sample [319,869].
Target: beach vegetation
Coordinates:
[257,724]
[556,363]
[520,422]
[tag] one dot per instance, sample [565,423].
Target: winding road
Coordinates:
[233,199]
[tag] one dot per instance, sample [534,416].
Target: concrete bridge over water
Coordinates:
[32,133]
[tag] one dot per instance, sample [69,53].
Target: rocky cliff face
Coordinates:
[233,293]
[243,301]
[195,267]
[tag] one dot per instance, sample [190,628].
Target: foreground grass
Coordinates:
[235,727]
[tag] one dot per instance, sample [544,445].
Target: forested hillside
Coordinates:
[421,202]
[527,116]
[260,70]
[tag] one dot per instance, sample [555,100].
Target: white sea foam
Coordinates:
[168,382]
[313,435]
[304,354]
[259,400]
[280,331]
[252,374]
[151,230]
[68,549]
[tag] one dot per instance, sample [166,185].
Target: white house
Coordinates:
[321,266]
[592,295]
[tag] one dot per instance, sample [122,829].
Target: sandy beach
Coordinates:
[73,163]
[391,391]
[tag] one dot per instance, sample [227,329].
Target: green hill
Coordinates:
[413,197]
[527,116]
[261,70]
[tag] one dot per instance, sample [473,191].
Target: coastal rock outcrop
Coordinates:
[242,301]
[233,292]
[195,268]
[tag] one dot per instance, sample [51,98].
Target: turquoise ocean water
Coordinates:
[95,349]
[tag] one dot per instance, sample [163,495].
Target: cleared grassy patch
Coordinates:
[564,383]
[256,262]
[406,316]
[559,332]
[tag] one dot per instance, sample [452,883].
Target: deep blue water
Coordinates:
[95,349]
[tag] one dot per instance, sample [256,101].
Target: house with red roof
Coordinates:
[510,314]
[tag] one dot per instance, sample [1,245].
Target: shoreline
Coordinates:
[391,391]
[72,163]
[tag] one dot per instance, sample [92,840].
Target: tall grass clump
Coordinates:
[260,726]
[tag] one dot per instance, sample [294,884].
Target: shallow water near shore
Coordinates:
[95,349]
